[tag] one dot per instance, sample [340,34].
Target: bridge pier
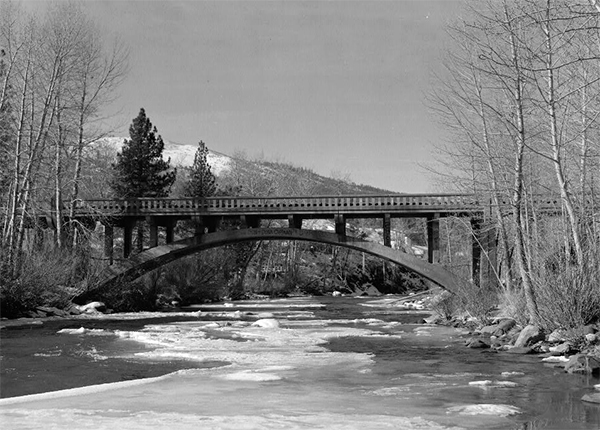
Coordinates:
[153,225]
[127,237]
[295,221]
[484,254]
[249,221]
[108,242]
[340,224]
[433,238]
[203,225]
[387,230]
[169,227]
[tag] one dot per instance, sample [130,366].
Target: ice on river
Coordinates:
[280,375]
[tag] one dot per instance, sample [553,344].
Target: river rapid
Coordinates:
[297,363]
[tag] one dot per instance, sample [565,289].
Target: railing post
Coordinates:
[433,238]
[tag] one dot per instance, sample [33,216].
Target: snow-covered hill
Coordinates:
[180,154]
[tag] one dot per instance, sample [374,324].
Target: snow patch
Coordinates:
[488,383]
[485,409]
[556,359]
[251,376]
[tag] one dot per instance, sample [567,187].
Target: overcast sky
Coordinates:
[332,86]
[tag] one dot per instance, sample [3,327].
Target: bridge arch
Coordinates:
[153,258]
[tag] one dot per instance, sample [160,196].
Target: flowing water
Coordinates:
[298,363]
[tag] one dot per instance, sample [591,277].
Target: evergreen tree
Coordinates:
[202,181]
[140,170]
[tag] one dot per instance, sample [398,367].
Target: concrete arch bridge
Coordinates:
[137,265]
[207,214]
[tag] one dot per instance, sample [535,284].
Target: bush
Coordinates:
[570,296]
[445,304]
[47,278]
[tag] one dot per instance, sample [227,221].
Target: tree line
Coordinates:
[519,97]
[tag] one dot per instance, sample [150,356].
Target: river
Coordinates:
[297,363]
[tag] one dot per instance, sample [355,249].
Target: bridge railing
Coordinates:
[408,202]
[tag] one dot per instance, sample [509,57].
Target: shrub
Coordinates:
[570,296]
[47,278]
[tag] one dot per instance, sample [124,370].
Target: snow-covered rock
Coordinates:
[266,323]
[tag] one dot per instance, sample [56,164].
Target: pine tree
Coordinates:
[202,181]
[140,170]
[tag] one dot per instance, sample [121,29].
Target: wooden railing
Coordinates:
[317,204]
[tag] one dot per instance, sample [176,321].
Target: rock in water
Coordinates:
[93,307]
[584,364]
[266,323]
[529,335]
[591,398]
[477,344]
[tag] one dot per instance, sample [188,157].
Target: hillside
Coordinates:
[300,180]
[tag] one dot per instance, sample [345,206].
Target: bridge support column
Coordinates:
[294,221]
[152,223]
[204,225]
[108,242]
[476,251]
[127,238]
[169,227]
[484,254]
[387,230]
[140,235]
[489,264]
[340,224]
[433,238]
[249,221]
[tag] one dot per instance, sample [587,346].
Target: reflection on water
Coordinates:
[342,365]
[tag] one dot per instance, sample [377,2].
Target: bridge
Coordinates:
[207,214]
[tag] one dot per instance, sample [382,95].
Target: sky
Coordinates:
[335,86]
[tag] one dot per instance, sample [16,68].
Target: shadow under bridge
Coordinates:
[153,258]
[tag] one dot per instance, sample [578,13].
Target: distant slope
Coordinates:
[298,178]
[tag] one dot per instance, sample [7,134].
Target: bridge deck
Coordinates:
[367,205]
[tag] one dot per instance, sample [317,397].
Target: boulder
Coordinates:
[266,323]
[476,344]
[591,337]
[558,335]
[93,307]
[584,364]
[504,326]
[562,349]
[589,329]
[488,330]
[592,398]
[529,335]
[73,309]
[520,350]
[433,319]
